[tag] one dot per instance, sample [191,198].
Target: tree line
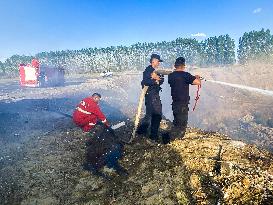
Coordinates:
[255,45]
[213,51]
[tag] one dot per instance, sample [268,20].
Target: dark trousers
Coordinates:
[153,115]
[180,114]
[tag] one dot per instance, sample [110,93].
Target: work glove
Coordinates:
[155,76]
[107,124]
[198,76]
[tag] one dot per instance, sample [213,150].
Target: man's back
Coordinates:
[179,82]
[89,105]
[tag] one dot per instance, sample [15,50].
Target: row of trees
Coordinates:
[255,45]
[214,51]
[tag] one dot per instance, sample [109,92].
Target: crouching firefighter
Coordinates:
[179,81]
[153,104]
[88,113]
[103,148]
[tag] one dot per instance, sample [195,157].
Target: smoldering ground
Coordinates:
[242,114]
[39,140]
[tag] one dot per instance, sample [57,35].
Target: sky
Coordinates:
[31,26]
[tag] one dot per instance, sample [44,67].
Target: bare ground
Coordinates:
[42,151]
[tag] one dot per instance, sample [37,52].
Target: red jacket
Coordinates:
[87,114]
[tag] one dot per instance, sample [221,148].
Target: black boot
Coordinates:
[166,138]
[142,129]
[177,132]
[154,138]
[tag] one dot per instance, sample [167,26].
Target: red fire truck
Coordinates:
[36,75]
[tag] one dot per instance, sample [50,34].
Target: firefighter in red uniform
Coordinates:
[104,148]
[88,113]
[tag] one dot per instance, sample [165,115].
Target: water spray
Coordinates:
[244,87]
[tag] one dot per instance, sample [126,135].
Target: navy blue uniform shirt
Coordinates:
[148,81]
[179,82]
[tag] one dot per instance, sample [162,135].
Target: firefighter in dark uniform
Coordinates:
[179,81]
[153,104]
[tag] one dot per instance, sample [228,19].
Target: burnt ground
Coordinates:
[41,150]
[49,171]
[42,111]
[238,113]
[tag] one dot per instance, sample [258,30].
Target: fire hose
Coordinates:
[139,108]
[197,97]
